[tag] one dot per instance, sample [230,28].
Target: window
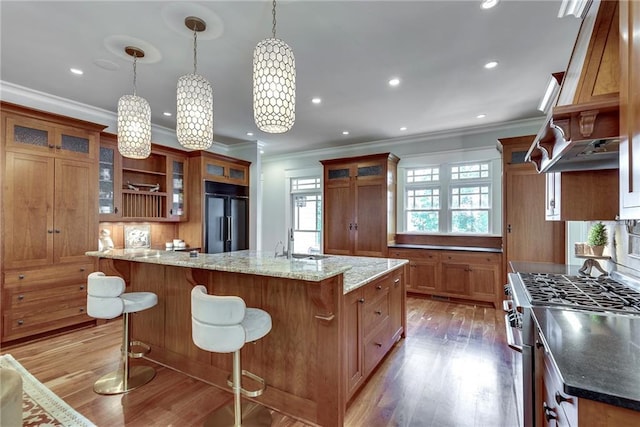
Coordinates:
[423,200]
[449,198]
[306,204]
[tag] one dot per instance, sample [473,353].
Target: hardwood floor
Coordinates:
[453,369]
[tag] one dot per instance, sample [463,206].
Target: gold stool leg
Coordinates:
[236,415]
[128,378]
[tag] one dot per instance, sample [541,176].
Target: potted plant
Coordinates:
[597,239]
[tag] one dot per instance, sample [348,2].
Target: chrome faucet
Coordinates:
[290,243]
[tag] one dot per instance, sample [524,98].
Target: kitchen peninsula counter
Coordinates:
[334,319]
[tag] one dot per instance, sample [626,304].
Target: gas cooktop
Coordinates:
[591,293]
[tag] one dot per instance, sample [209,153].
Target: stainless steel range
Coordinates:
[616,294]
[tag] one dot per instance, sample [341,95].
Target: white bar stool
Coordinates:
[106,300]
[223,324]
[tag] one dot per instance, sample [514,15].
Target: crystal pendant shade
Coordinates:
[194,115]
[274,86]
[134,127]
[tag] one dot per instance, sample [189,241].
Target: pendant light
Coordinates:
[194,96]
[274,84]
[134,118]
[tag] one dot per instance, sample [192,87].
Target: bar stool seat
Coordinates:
[223,324]
[106,299]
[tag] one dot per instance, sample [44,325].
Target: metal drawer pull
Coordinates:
[378,344]
[20,322]
[82,287]
[361,300]
[507,305]
[82,269]
[378,312]
[549,413]
[21,276]
[20,297]
[81,310]
[378,287]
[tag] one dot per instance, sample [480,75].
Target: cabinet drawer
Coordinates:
[24,299]
[377,289]
[70,312]
[375,312]
[471,257]
[376,346]
[564,405]
[411,254]
[59,274]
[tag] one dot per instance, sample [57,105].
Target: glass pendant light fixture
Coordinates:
[194,110]
[274,84]
[134,118]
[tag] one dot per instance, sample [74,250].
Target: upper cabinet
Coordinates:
[359,204]
[151,189]
[630,110]
[224,169]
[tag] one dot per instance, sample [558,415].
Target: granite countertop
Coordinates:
[597,354]
[446,248]
[358,271]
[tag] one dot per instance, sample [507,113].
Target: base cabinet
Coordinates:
[458,274]
[374,322]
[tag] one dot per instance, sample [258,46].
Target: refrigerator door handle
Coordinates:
[229,237]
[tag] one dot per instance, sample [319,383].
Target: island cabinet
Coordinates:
[323,344]
[359,204]
[630,110]
[373,317]
[150,189]
[49,219]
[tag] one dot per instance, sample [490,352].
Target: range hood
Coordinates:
[582,130]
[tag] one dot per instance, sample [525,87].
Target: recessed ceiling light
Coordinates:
[394,81]
[345,132]
[403,128]
[316,100]
[166,113]
[481,116]
[249,133]
[491,64]
[488,4]
[76,71]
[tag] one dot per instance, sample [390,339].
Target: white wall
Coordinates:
[446,145]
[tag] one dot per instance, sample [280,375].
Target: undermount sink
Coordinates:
[146,254]
[313,257]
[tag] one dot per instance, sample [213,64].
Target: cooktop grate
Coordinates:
[593,293]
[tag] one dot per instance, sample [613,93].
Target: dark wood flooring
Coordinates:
[453,369]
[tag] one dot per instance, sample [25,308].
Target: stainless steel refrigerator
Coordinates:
[227,217]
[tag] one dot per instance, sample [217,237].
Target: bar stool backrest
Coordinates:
[103,296]
[216,321]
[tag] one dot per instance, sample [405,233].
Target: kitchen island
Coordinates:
[334,319]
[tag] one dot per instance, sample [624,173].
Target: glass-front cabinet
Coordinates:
[178,172]
[109,179]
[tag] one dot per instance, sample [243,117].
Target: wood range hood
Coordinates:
[582,130]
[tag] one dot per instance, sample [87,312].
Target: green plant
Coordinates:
[598,235]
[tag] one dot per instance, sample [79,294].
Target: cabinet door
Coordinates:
[370,218]
[76,143]
[110,183]
[238,174]
[28,210]
[455,278]
[76,207]
[29,135]
[354,358]
[423,276]
[338,220]
[484,281]
[396,305]
[630,110]
[177,167]
[338,174]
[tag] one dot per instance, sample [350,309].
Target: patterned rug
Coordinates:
[40,406]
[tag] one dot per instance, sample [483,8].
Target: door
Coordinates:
[28,210]
[215,224]
[238,233]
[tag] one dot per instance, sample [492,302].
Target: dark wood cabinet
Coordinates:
[359,204]
[582,195]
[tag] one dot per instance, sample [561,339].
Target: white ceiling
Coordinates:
[345,52]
